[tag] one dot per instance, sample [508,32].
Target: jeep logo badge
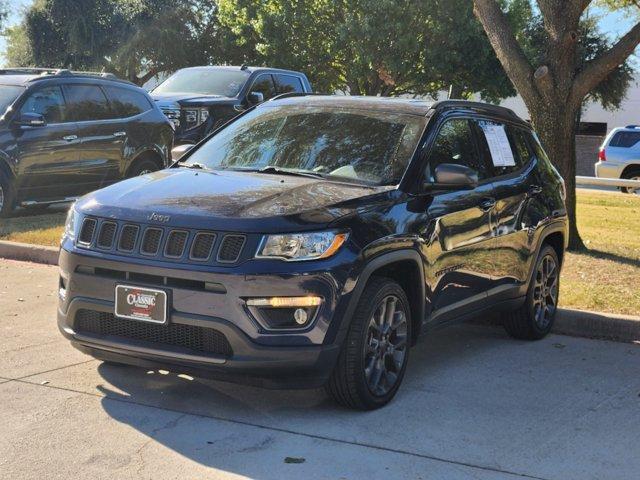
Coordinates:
[159,218]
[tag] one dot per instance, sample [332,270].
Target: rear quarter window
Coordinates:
[126,102]
[625,139]
[288,83]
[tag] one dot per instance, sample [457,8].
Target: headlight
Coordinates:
[70,223]
[194,117]
[301,246]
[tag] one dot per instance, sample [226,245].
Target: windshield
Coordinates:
[360,145]
[8,94]
[204,81]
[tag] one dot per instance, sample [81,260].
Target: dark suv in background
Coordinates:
[200,99]
[313,239]
[63,134]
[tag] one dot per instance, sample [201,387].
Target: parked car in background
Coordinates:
[200,99]
[313,239]
[63,134]
[619,156]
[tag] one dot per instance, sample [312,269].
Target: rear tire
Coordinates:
[142,167]
[375,353]
[534,319]
[631,174]
[7,196]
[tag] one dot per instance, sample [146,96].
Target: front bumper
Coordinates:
[293,360]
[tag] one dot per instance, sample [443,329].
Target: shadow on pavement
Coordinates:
[307,412]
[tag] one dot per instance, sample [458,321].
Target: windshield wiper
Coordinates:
[194,165]
[271,169]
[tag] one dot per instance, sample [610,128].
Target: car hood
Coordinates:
[189,100]
[231,201]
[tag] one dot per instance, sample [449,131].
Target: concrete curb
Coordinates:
[575,323]
[29,253]
[607,326]
[583,323]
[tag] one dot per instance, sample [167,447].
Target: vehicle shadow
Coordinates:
[598,254]
[207,421]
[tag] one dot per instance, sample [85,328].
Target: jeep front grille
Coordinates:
[169,244]
[175,243]
[231,248]
[128,238]
[151,241]
[202,246]
[107,234]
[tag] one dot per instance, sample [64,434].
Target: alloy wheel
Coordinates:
[635,191]
[144,172]
[386,345]
[545,292]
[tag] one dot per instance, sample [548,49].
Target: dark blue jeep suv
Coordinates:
[313,239]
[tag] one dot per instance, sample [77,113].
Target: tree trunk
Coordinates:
[556,125]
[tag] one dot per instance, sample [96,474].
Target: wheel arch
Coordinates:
[557,241]
[5,167]
[406,268]
[149,154]
[633,167]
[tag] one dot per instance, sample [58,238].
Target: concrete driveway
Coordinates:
[474,404]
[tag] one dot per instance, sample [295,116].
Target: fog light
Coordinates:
[285,302]
[284,313]
[300,316]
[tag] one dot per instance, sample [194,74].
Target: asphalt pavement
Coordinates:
[475,404]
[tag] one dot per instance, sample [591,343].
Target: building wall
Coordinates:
[587,154]
[628,114]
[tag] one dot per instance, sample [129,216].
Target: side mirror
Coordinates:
[30,119]
[254,98]
[450,176]
[178,152]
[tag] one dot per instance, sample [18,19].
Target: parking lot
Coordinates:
[475,404]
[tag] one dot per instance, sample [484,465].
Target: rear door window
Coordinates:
[504,146]
[455,144]
[48,102]
[86,103]
[288,83]
[625,139]
[264,84]
[126,102]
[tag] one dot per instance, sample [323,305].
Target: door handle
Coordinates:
[120,134]
[487,204]
[535,190]
[70,138]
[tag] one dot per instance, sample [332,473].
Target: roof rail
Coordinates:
[63,72]
[452,103]
[632,126]
[292,94]
[25,71]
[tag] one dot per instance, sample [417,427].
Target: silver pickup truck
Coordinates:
[619,156]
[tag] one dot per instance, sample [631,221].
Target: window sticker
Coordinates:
[501,153]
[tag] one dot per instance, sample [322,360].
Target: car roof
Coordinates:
[243,68]
[30,76]
[410,106]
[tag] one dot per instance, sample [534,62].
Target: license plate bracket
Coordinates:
[141,303]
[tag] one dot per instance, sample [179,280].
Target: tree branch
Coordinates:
[597,69]
[506,46]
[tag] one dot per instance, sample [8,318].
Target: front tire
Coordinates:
[7,197]
[143,167]
[534,319]
[374,357]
